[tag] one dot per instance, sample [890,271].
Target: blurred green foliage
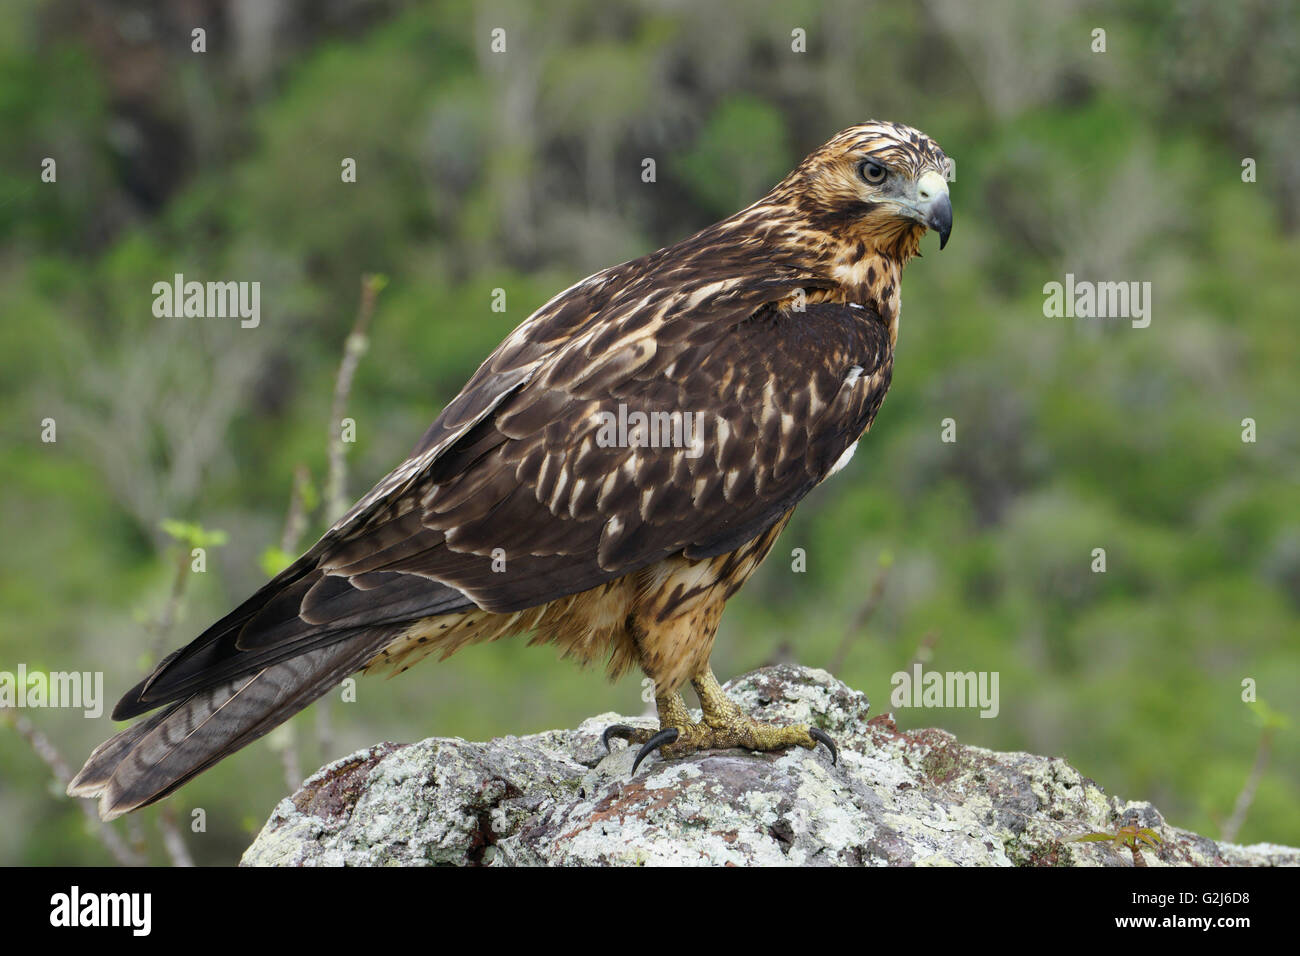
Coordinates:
[521,171]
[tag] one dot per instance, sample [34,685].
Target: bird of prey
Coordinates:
[523,510]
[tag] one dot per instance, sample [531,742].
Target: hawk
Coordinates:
[525,510]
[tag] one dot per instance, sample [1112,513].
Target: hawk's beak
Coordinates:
[933,208]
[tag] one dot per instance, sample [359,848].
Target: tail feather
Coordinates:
[150,759]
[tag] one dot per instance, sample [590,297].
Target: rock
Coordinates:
[557,798]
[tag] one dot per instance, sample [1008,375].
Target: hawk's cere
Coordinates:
[516,514]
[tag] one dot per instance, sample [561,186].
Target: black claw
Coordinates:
[622,731]
[666,736]
[822,737]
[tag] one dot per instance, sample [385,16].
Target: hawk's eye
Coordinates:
[872,173]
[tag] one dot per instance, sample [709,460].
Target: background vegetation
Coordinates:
[522,171]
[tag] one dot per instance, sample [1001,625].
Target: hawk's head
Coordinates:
[878,183]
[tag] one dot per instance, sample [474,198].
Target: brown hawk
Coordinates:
[606,480]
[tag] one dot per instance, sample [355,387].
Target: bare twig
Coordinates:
[924,650]
[324,728]
[289,761]
[335,493]
[163,625]
[173,842]
[137,398]
[283,742]
[1229,831]
[353,349]
[48,753]
[860,620]
[135,835]
[295,522]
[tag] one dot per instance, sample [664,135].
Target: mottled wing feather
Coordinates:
[513,470]
[781,397]
[300,608]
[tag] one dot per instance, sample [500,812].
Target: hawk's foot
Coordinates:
[747,733]
[673,718]
[724,726]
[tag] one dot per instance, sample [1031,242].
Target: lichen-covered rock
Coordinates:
[557,798]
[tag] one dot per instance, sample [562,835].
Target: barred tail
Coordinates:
[150,759]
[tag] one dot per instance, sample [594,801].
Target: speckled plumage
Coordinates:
[776,327]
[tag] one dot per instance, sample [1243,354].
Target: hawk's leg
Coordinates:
[723,725]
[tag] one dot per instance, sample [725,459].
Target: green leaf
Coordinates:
[192,534]
[1269,718]
[274,560]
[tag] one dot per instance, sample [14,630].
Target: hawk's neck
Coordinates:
[871,280]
